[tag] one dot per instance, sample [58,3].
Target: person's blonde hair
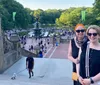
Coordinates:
[95,27]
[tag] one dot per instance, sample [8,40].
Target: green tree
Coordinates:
[97,11]
[22,16]
[69,17]
[37,14]
[90,18]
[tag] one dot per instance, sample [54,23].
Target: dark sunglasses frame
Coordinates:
[82,30]
[90,34]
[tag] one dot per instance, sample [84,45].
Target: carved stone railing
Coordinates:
[11,50]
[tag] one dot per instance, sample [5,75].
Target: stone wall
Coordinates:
[27,53]
[10,58]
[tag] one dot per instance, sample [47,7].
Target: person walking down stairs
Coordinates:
[30,65]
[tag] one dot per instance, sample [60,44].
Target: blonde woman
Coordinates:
[93,33]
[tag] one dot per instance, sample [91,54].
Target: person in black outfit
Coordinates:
[74,46]
[32,48]
[93,33]
[30,65]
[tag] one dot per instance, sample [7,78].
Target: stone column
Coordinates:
[1,50]
[15,40]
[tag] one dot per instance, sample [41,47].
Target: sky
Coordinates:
[55,4]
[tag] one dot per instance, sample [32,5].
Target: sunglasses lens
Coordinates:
[90,34]
[94,34]
[78,31]
[82,30]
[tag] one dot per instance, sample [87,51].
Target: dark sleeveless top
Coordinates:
[75,51]
[94,61]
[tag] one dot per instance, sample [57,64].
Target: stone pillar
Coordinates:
[1,50]
[15,40]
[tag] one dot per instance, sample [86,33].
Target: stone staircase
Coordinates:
[23,80]
[46,72]
[20,80]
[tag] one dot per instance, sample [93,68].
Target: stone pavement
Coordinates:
[58,52]
[34,42]
[46,72]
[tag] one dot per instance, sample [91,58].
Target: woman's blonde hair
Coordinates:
[95,27]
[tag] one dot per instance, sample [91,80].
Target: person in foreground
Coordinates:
[93,33]
[30,65]
[74,46]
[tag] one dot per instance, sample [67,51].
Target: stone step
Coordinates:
[24,80]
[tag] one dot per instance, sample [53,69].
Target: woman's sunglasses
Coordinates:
[90,34]
[82,30]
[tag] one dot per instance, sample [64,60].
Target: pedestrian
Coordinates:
[74,46]
[40,54]
[30,65]
[54,40]
[29,48]
[45,48]
[42,47]
[48,41]
[89,70]
[32,48]
[41,42]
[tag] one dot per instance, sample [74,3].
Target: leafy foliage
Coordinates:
[26,17]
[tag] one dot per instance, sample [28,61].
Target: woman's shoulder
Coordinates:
[72,40]
[27,58]
[96,48]
[85,40]
[84,45]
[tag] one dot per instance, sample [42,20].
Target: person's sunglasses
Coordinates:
[78,31]
[90,34]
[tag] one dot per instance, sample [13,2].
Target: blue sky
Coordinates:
[55,4]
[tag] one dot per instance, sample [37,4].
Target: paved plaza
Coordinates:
[59,51]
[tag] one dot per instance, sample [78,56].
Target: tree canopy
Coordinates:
[26,17]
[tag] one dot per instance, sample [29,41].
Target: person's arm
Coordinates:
[92,80]
[33,63]
[78,64]
[70,54]
[78,67]
[96,78]
[26,63]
